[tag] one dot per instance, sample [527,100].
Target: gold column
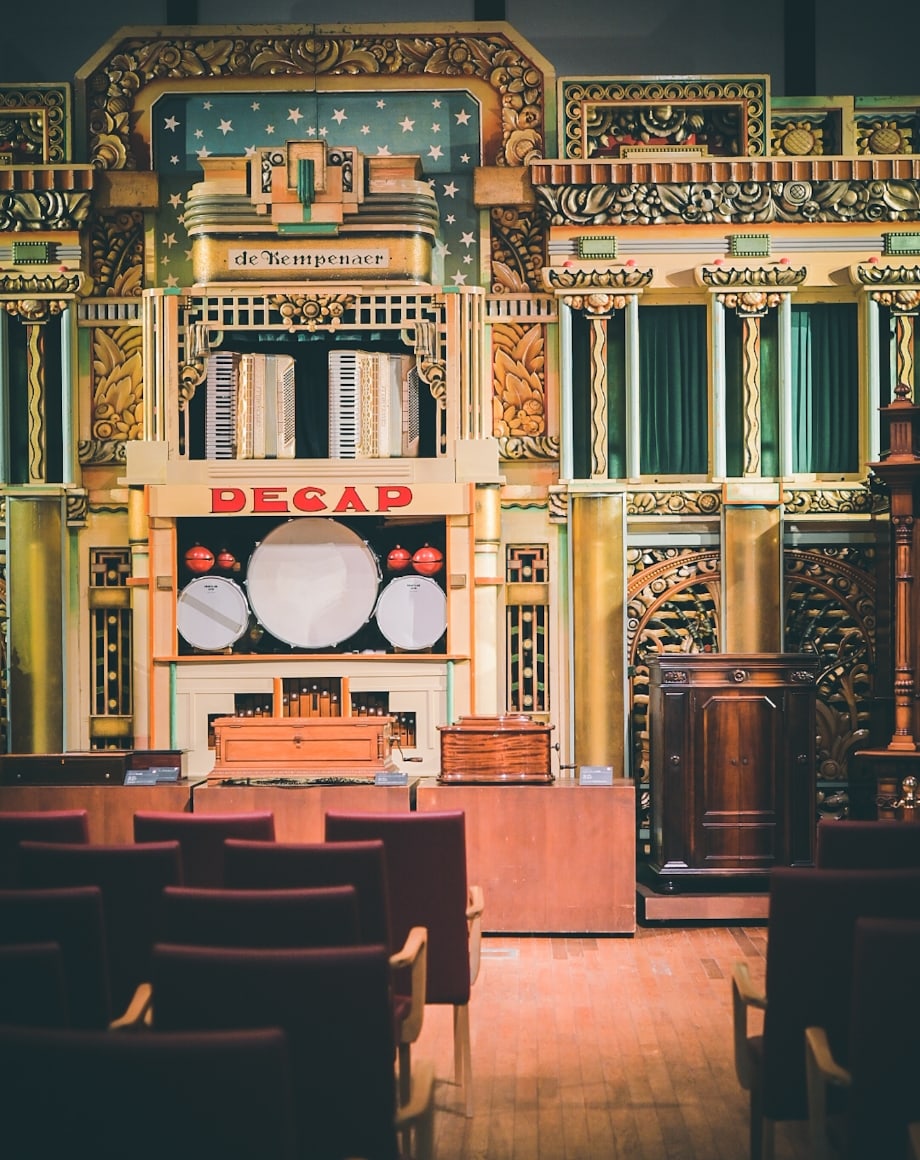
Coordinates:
[598,525]
[488,581]
[752,578]
[35,526]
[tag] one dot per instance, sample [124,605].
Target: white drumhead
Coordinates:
[211,613]
[412,612]
[312,582]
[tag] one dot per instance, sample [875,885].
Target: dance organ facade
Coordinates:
[379,371]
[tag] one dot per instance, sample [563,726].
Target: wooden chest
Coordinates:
[511,748]
[292,746]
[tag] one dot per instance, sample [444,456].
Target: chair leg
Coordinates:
[463,1066]
[762,1128]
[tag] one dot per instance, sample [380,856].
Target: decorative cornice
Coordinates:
[871,274]
[101,452]
[898,301]
[595,278]
[753,277]
[494,59]
[521,447]
[14,282]
[856,500]
[660,502]
[49,209]
[620,193]
[750,303]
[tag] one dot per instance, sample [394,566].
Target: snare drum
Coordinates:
[312,582]
[212,613]
[412,612]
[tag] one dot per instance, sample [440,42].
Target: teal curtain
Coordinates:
[673,390]
[825,387]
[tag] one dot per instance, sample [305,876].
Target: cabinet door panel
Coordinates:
[737,797]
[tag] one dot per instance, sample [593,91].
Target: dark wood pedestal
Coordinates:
[557,858]
[732,762]
[110,808]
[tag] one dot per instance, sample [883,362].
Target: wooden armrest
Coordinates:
[744,995]
[822,1072]
[474,926]
[413,957]
[139,1013]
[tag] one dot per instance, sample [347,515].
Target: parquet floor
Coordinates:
[602,1049]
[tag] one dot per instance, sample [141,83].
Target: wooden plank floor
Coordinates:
[608,1048]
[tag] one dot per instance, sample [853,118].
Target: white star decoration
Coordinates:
[295,115]
[225,127]
[467,240]
[339,115]
[450,190]
[435,152]
[175,200]
[462,118]
[170,123]
[406,125]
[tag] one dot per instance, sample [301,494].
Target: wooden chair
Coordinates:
[859,845]
[72,919]
[32,987]
[880,1072]
[260,918]
[201,838]
[184,1096]
[427,881]
[333,1004]
[282,865]
[131,879]
[808,975]
[36,826]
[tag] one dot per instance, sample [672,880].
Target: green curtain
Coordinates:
[673,390]
[825,387]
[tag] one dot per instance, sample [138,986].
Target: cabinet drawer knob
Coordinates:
[675,759]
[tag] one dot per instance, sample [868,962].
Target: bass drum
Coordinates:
[412,612]
[312,583]
[212,613]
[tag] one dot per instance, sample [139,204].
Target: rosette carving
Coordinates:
[312,310]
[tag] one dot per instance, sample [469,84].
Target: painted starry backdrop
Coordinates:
[442,128]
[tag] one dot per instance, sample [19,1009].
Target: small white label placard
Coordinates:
[277,258]
[595,774]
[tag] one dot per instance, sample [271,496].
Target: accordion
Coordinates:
[373,405]
[249,406]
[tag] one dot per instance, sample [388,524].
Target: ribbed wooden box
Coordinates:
[511,748]
[283,746]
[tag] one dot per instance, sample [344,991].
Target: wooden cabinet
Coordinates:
[732,754]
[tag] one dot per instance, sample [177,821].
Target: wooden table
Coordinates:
[557,858]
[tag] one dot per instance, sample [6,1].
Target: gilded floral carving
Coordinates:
[117,254]
[46,209]
[518,380]
[117,384]
[518,243]
[517,82]
[312,310]
[670,203]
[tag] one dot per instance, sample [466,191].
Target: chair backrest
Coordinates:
[109,1095]
[72,918]
[280,865]
[327,916]
[884,1033]
[859,845]
[810,929]
[32,987]
[36,826]
[201,838]
[332,1004]
[131,879]
[425,857]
